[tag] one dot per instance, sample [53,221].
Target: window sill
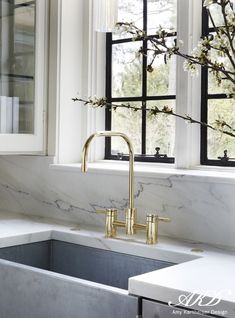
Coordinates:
[155,170]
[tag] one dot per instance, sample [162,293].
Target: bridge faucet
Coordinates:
[130,224]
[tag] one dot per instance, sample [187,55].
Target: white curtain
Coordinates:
[105,15]
[94,77]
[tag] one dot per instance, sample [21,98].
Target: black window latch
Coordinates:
[159,155]
[225,158]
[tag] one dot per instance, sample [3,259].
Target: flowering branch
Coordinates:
[219,125]
[216,52]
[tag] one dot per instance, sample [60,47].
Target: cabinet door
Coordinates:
[152,309]
[23,37]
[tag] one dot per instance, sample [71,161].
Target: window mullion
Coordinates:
[144,93]
[144,80]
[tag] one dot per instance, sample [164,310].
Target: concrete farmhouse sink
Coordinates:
[60,279]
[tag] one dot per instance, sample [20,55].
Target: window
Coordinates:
[128,82]
[215,147]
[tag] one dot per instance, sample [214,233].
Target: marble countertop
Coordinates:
[200,270]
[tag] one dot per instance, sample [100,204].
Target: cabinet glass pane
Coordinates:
[22,1]
[17,66]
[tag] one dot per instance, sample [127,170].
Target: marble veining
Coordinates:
[200,211]
[59,204]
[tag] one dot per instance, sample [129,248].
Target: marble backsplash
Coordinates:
[200,211]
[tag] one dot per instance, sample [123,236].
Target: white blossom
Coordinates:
[192,68]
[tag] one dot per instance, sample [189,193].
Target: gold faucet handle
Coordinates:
[163,219]
[152,227]
[110,219]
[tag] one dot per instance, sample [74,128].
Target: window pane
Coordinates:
[161,130]
[128,122]
[213,87]
[162,81]
[216,14]
[17,67]
[161,13]
[127,12]
[126,70]
[223,109]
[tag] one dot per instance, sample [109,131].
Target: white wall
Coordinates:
[201,210]
[70,65]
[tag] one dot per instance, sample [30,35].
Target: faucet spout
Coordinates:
[131,159]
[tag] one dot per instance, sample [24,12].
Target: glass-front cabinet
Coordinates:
[23,45]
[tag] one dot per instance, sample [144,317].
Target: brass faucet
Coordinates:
[130,224]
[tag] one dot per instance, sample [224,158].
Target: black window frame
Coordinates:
[144,98]
[205,97]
